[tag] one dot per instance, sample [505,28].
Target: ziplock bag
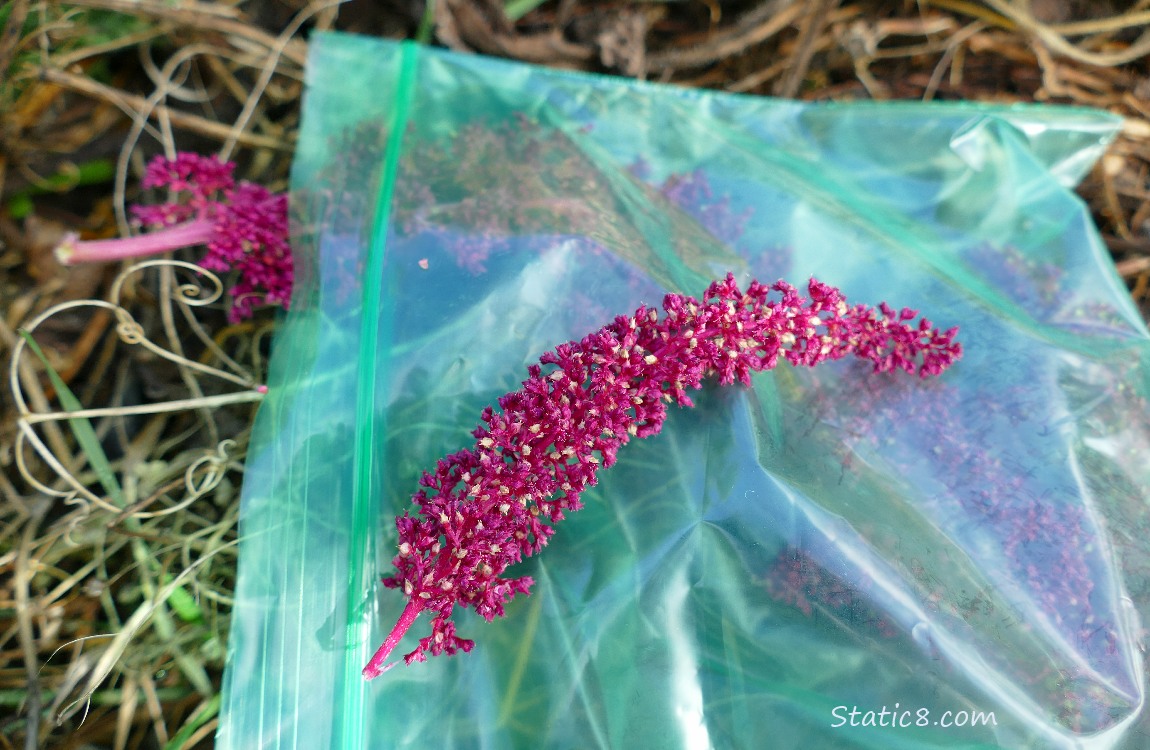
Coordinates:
[830,558]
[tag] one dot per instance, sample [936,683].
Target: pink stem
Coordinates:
[74,250]
[375,667]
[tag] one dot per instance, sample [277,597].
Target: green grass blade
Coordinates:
[197,720]
[93,172]
[184,604]
[516,9]
[81,427]
[426,24]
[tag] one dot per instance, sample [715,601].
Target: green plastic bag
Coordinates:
[829,559]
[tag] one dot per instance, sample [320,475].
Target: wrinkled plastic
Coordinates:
[782,563]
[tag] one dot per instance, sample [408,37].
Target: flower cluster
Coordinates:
[244,226]
[485,508]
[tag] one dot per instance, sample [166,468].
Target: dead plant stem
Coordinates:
[133,103]
[24,611]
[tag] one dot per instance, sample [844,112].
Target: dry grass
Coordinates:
[114,600]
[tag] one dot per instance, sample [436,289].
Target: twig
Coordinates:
[10,37]
[753,28]
[127,712]
[211,16]
[812,25]
[132,103]
[184,366]
[1133,266]
[27,378]
[953,45]
[1058,44]
[209,402]
[269,69]
[973,10]
[27,638]
[65,61]
[1103,25]
[759,77]
[152,701]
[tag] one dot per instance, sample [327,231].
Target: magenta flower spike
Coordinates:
[489,506]
[244,226]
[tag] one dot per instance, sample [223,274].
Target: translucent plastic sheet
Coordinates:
[830,559]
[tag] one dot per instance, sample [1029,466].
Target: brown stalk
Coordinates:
[753,28]
[133,103]
[202,16]
[810,28]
